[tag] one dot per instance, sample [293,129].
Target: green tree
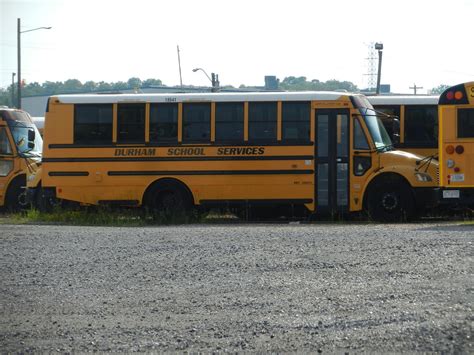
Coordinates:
[152,82]
[72,85]
[439,89]
[293,83]
[89,86]
[134,83]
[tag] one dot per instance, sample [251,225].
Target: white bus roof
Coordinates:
[202,97]
[38,121]
[403,100]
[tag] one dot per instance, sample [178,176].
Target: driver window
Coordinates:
[5,147]
[360,141]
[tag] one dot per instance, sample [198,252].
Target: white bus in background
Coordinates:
[418,116]
[39,123]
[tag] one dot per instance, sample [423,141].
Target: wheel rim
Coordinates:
[390,201]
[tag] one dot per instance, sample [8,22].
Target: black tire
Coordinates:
[168,201]
[15,198]
[391,200]
[46,201]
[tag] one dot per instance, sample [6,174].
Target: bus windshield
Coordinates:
[19,132]
[376,128]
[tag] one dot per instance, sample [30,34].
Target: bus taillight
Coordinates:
[450,149]
[459,149]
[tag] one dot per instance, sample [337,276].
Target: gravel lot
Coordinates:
[267,288]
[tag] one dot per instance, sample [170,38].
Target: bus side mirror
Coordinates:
[31,136]
[395,131]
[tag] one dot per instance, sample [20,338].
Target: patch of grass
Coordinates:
[100,217]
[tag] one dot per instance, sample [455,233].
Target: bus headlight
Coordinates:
[6,166]
[423,177]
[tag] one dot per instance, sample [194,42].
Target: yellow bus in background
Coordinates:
[20,152]
[418,116]
[456,143]
[322,152]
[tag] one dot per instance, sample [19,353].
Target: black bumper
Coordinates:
[426,197]
[456,196]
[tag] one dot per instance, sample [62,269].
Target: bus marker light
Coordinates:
[458,95]
[457,169]
[450,149]
[459,149]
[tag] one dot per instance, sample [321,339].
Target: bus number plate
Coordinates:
[451,194]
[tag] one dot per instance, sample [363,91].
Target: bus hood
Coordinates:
[419,170]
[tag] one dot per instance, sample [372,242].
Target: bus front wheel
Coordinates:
[15,198]
[391,200]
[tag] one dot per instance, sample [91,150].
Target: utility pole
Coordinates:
[18,33]
[13,89]
[179,64]
[18,92]
[414,88]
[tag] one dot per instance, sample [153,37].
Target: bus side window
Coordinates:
[421,126]
[196,123]
[262,121]
[93,124]
[131,123]
[229,121]
[5,147]
[163,122]
[361,163]
[296,121]
[388,122]
[466,123]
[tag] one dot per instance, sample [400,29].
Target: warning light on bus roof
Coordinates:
[458,95]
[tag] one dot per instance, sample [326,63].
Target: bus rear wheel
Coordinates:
[169,201]
[391,200]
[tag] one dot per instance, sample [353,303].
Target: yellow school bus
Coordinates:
[418,115]
[20,152]
[324,152]
[456,143]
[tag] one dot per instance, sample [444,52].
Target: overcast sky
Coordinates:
[426,42]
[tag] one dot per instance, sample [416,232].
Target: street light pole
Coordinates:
[19,32]
[214,81]
[379,47]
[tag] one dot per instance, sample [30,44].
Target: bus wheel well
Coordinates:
[15,196]
[162,187]
[390,198]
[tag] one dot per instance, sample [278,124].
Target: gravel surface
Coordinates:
[266,288]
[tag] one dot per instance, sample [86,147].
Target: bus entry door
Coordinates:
[332,161]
